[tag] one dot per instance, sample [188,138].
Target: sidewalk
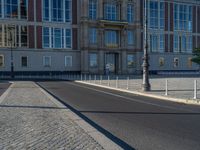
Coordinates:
[32,119]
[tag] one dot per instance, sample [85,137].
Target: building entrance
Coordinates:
[111,60]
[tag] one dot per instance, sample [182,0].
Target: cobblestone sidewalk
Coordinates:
[29,119]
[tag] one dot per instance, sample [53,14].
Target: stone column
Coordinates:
[124,62]
[100,9]
[101,61]
[124,10]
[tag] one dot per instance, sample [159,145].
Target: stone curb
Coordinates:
[177,100]
[3,96]
[105,142]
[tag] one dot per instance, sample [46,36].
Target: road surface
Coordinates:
[132,121]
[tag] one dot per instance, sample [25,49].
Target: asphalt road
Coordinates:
[3,87]
[141,123]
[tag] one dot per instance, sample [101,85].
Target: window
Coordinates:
[68,39]
[189,44]
[23,9]
[57,10]
[24,36]
[93,35]
[93,60]
[10,35]
[56,38]
[24,61]
[176,62]
[154,43]
[130,60]
[130,37]
[190,62]
[11,8]
[1,36]
[1,61]
[111,11]
[0,10]
[68,61]
[130,13]
[161,61]
[46,37]
[47,61]
[93,9]
[111,38]
[182,17]
[162,43]
[183,43]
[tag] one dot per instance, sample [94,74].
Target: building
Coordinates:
[97,36]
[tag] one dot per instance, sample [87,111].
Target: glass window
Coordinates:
[162,15]
[153,14]
[11,8]
[111,38]
[93,9]
[11,35]
[190,44]
[24,61]
[57,10]
[68,38]
[93,35]
[93,60]
[0,10]
[46,10]
[183,17]
[47,61]
[46,38]
[24,36]
[1,61]
[130,60]
[130,13]
[111,11]
[162,43]
[67,10]
[176,62]
[57,38]
[23,9]
[176,43]
[161,61]
[1,36]
[68,61]
[154,43]
[130,37]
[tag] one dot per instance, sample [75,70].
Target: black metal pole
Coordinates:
[146,85]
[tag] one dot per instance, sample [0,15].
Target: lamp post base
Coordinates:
[146,87]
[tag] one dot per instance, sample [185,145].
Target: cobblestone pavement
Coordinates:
[30,120]
[178,87]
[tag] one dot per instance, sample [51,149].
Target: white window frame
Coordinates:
[49,61]
[70,62]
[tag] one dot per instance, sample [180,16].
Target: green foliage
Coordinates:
[196,58]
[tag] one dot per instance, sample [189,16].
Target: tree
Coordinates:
[196,58]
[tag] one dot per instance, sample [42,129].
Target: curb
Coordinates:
[3,96]
[104,141]
[171,99]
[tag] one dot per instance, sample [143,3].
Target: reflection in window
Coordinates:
[130,61]
[57,10]
[68,38]
[57,38]
[1,60]
[93,60]
[11,8]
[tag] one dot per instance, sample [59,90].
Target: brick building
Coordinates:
[95,36]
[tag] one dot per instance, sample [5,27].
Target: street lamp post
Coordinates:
[12,75]
[146,85]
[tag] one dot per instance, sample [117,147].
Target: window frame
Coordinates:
[26,62]
[71,61]
[44,65]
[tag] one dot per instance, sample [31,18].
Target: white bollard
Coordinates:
[101,79]
[195,89]
[127,83]
[117,81]
[166,87]
[108,80]
[95,78]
